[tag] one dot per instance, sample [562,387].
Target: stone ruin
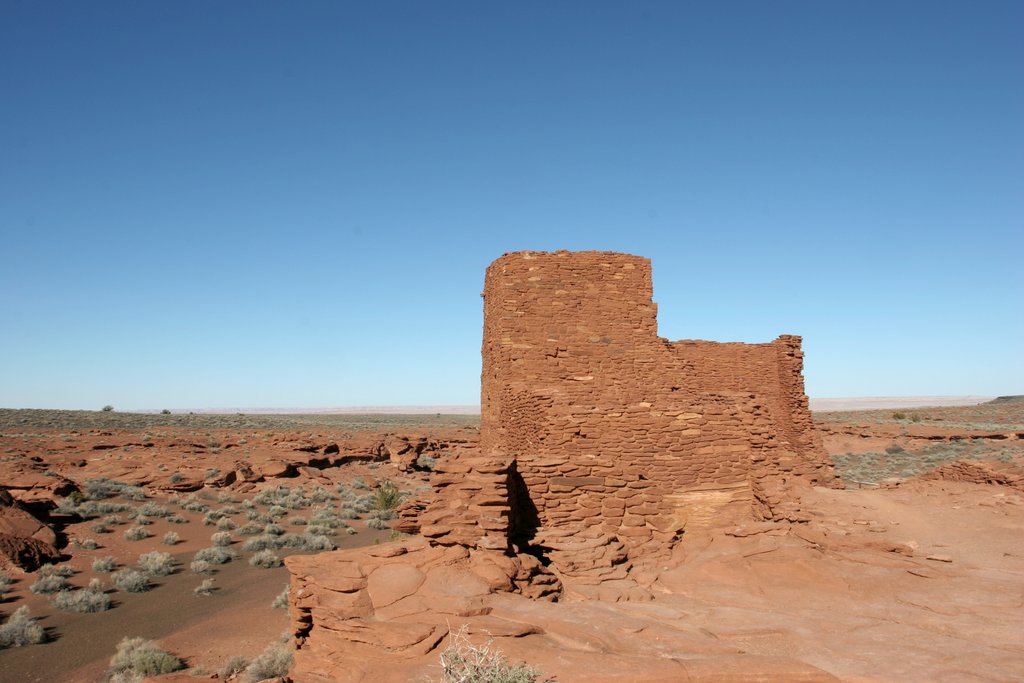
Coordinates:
[601,446]
[602,435]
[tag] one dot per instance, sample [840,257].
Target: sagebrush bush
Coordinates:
[226,524]
[136,533]
[281,601]
[262,542]
[144,658]
[221,538]
[265,559]
[250,530]
[205,588]
[154,510]
[171,538]
[273,662]
[104,564]
[21,629]
[177,519]
[99,488]
[133,492]
[48,583]
[131,580]
[201,567]
[100,528]
[64,570]
[235,665]
[376,523]
[212,517]
[87,544]
[317,530]
[215,555]
[156,563]
[85,601]
[273,529]
[316,542]
[5,584]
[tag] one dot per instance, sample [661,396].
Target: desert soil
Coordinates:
[896,578]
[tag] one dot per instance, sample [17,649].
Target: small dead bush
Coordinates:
[464,662]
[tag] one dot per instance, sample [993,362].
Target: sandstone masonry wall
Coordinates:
[617,430]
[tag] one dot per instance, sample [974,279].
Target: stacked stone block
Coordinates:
[617,430]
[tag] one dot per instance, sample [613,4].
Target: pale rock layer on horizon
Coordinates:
[819,404]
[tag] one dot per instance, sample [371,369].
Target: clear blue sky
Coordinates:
[293,204]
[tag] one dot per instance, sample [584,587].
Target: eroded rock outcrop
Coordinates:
[25,542]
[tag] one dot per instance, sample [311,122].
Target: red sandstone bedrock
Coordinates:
[882,585]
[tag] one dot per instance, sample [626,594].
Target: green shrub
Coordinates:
[144,658]
[386,496]
[273,662]
[21,629]
[107,409]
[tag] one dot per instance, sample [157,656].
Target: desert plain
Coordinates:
[911,570]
